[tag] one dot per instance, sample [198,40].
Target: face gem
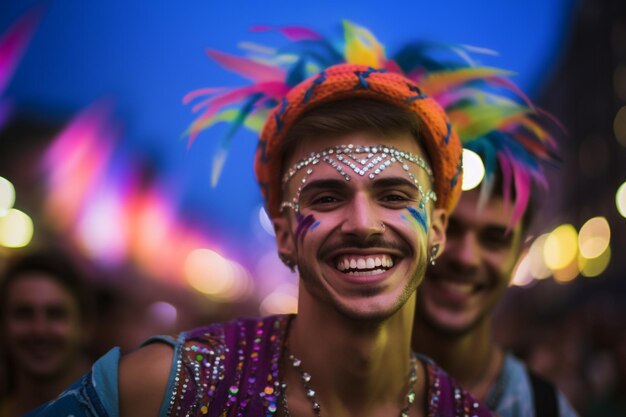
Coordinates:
[361,160]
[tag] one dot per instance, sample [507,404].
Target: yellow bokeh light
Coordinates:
[16,229]
[594,237]
[241,285]
[567,273]
[7,196]
[537,265]
[594,267]
[208,272]
[473,170]
[620,199]
[284,300]
[561,247]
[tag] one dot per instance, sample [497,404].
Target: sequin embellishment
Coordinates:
[361,160]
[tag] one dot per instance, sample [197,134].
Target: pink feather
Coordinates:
[505,166]
[522,191]
[214,104]
[13,44]
[293,33]
[192,95]
[247,67]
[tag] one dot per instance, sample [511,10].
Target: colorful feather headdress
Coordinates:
[489,113]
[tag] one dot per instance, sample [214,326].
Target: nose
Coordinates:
[465,251]
[362,218]
[40,323]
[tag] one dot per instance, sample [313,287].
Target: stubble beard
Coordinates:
[317,290]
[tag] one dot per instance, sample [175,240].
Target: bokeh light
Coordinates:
[163,313]
[283,300]
[567,273]
[16,229]
[473,170]
[538,268]
[241,286]
[522,275]
[620,199]
[265,221]
[596,266]
[208,272]
[619,126]
[594,237]
[561,247]
[7,196]
[104,240]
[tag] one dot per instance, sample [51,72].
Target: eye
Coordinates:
[326,199]
[396,199]
[22,313]
[496,238]
[323,202]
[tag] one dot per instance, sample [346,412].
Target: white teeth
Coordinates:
[363,263]
[372,272]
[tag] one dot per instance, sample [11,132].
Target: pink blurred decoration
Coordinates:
[111,215]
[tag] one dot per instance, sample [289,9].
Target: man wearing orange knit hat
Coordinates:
[359,170]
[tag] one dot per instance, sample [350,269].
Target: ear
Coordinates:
[437,232]
[284,238]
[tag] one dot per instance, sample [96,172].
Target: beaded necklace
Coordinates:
[310,392]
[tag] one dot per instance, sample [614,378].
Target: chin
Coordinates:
[449,324]
[374,307]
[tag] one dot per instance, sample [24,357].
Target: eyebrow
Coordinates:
[393,182]
[340,184]
[324,185]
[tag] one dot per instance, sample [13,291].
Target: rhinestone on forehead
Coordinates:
[361,160]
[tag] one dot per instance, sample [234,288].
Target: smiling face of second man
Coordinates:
[360,243]
[471,276]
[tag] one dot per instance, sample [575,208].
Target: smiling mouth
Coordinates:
[460,288]
[364,265]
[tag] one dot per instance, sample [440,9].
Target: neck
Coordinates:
[356,366]
[472,359]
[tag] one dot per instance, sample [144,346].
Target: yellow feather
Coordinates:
[362,47]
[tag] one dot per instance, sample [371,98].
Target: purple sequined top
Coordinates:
[233,370]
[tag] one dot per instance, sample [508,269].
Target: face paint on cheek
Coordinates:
[417,216]
[305,223]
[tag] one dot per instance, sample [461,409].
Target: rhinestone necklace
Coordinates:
[310,392]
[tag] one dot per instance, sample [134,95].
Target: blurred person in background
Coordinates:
[485,237]
[45,315]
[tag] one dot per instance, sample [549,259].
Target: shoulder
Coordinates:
[519,388]
[144,374]
[203,369]
[150,373]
